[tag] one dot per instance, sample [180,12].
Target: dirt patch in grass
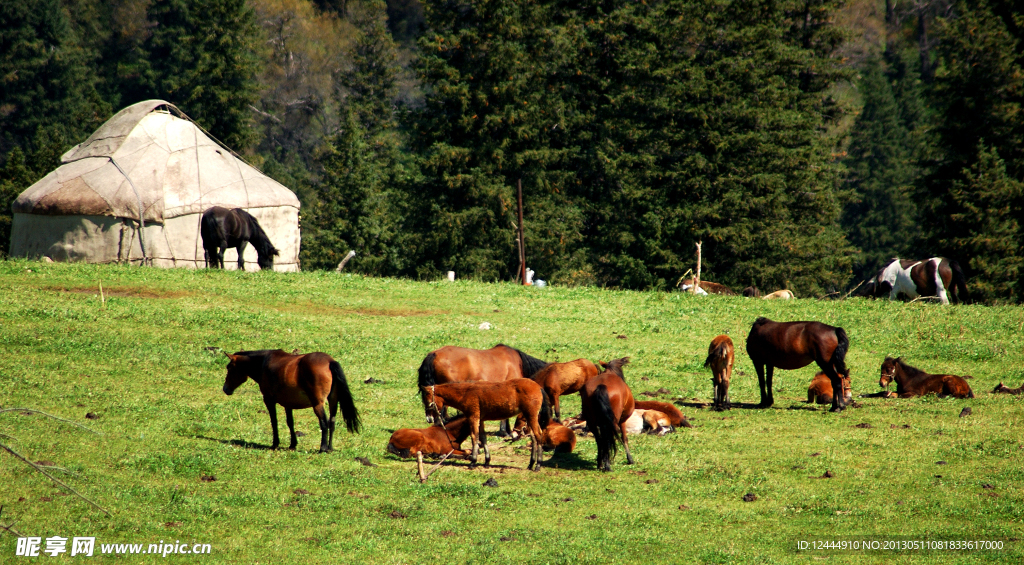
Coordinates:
[123,291]
[307,307]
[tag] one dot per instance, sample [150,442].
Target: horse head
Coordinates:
[434,405]
[616,365]
[888,372]
[265,258]
[847,387]
[238,372]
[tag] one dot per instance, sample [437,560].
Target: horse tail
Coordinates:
[719,352]
[544,417]
[344,396]
[428,376]
[839,355]
[530,365]
[959,281]
[601,423]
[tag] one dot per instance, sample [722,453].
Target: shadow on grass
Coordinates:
[710,407]
[237,443]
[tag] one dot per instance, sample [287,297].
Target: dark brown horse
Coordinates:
[481,401]
[607,404]
[296,382]
[792,345]
[222,228]
[452,364]
[938,276]
[820,389]
[558,379]
[720,360]
[1003,389]
[911,381]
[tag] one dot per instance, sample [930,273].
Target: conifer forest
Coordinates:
[802,142]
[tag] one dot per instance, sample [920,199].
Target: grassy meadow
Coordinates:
[146,362]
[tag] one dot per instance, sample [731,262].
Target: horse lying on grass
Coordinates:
[432,442]
[911,381]
[1001,389]
[820,390]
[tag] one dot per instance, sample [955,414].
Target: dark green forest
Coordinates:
[803,143]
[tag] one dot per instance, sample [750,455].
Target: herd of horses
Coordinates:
[502,383]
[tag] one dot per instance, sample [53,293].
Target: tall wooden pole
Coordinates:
[696,280]
[522,241]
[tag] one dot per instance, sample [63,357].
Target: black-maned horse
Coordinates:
[222,228]
[452,364]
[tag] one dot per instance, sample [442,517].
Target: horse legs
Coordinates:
[330,425]
[766,394]
[218,260]
[241,250]
[625,444]
[475,430]
[324,428]
[536,447]
[272,410]
[291,428]
[769,373]
[483,442]
[714,393]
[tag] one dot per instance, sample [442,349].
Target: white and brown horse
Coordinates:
[938,276]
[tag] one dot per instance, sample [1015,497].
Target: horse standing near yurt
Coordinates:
[938,276]
[792,345]
[222,228]
[451,364]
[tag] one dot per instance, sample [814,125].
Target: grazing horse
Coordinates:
[607,404]
[296,382]
[459,364]
[720,360]
[1003,389]
[911,381]
[558,379]
[792,345]
[434,441]
[481,401]
[820,389]
[222,228]
[937,276]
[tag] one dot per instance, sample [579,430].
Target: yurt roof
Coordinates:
[150,153]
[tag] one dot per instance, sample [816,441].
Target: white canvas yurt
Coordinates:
[135,190]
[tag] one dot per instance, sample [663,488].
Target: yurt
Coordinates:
[134,192]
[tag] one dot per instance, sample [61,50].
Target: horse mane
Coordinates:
[259,238]
[530,365]
[616,365]
[908,369]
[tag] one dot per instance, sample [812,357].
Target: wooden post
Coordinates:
[696,280]
[522,242]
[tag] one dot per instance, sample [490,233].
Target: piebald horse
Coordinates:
[937,276]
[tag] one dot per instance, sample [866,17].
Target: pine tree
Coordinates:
[881,220]
[201,55]
[979,93]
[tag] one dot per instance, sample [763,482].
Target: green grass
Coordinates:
[143,363]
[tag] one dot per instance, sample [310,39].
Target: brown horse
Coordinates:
[296,382]
[481,401]
[911,381]
[1002,389]
[792,345]
[458,364]
[433,441]
[607,404]
[558,379]
[675,417]
[820,389]
[720,360]
[707,287]
[938,276]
